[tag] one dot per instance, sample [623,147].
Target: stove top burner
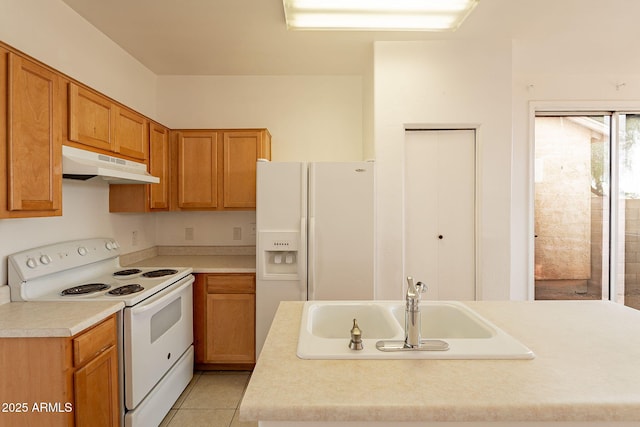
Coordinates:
[127,272]
[126,289]
[160,273]
[85,289]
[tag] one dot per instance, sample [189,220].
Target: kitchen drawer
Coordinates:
[93,342]
[231,283]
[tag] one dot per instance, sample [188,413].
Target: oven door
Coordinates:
[157,331]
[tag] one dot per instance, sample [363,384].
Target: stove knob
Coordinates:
[45,259]
[82,251]
[109,246]
[32,263]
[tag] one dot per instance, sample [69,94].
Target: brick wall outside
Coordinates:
[562,200]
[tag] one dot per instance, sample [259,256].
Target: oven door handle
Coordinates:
[153,303]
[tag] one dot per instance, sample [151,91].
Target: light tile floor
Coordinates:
[211,399]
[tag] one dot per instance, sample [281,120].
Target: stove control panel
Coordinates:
[111,245]
[44,260]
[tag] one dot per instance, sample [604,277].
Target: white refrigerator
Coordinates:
[315,235]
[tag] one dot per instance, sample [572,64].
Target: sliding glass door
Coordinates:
[587,243]
[571,204]
[626,287]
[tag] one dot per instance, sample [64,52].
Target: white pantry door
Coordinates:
[439,212]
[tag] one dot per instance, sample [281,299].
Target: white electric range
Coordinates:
[155,326]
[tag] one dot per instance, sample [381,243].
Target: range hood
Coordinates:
[83,165]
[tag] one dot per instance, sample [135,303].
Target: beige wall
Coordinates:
[55,34]
[445,83]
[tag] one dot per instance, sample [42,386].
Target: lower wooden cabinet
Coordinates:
[70,381]
[224,321]
[95,390]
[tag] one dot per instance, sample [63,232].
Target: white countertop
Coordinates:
[51,318]
[66,318]
[587,368]
[203,263]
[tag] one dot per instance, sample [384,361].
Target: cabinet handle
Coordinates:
[440,236]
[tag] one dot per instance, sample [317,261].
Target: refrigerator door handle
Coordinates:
[302,259]
[311,259]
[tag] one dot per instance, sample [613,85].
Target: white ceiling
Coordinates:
[249,37]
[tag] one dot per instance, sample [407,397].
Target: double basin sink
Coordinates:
[325,331]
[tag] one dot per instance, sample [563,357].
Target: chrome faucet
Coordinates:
[412,320]
[412,316]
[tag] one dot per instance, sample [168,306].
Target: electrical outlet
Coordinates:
[252,229]
[188,233]
[237,233]
[134,238]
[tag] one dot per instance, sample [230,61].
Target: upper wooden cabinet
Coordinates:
[241,151]
[197,169]
[31,147]
[210,170]
[147,197]
[159,166]
[216,169]
[91,118]
[96,121]
[131,134]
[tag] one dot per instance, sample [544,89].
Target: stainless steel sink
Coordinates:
[326,325]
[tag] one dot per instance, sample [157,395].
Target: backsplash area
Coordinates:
[206,228]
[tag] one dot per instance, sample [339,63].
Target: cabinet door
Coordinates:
[197,170]
[91,118]
[34,150]
[240,155]
[35,370]
[131,134]
[159,166]
[96,391]
[230,328]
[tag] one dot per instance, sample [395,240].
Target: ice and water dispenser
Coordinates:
[279,253]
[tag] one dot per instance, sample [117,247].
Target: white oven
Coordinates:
[156,325]
[156,333]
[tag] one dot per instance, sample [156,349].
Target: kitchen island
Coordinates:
[586,372]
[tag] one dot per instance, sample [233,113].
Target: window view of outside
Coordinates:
[571,207]
[573,233]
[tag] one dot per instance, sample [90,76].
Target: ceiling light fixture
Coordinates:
[389,15]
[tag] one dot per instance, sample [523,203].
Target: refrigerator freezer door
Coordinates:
[281,195]
[280,215]
[341,225]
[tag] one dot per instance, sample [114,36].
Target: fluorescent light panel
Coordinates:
[393,15]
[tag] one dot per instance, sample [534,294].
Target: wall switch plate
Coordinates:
[188,233]
[237,233]
[252,229]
